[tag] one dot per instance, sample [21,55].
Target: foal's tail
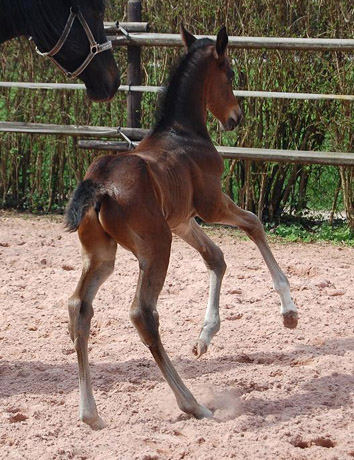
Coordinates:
[87,195]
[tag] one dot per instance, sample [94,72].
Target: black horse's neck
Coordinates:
[12,19]
[184,101]
[31,17]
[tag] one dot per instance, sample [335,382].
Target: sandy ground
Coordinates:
[277,393]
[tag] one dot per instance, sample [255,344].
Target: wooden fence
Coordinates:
[136,134]
[134,34]
[157,89]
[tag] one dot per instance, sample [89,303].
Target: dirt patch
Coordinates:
[276,393]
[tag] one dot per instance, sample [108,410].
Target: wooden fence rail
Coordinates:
[71,130]
[247,153]
[157,89]
[278,43]
[134,34]
[121,27]
[136,134]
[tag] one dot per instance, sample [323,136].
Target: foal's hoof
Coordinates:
[199,348]
[202,412]
[95,424]
[290,319]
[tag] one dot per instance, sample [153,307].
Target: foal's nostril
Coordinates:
[235,119]
[232,124]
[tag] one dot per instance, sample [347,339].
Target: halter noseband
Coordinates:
[95,48]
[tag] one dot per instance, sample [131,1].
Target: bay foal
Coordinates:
[138,199]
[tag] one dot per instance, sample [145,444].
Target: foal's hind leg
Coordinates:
[152,248]
[214,260]
[231,214]
[98,253]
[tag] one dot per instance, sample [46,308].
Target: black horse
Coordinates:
[71,34]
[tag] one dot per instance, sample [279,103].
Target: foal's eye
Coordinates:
[230,76]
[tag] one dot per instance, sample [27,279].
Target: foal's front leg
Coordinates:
[230,214]
[213,258]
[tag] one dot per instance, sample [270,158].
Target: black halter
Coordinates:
[95,48]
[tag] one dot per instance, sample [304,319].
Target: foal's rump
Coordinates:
[121,191]
[87,195]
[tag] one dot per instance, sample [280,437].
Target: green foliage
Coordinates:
[323,182]
[339,233]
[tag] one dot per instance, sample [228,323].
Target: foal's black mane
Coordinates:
[176,83]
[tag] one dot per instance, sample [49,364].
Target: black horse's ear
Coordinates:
[221,41]
[187,37]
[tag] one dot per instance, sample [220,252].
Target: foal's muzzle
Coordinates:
[234,120]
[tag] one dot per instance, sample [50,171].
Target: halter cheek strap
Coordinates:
[95,48]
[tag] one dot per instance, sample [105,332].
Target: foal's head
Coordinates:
[219,95]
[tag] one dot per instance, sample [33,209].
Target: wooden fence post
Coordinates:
[134,70]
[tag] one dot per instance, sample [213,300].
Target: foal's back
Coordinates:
[181,171]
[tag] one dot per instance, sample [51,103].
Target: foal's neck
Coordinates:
[185,99]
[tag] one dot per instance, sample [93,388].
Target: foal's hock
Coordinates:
[138,199]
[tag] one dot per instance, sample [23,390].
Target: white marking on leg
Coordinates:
[249,222]
[280,281]
[211,323]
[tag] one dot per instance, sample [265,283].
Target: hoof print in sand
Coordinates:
[321,442]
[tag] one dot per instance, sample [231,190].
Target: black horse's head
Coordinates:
[71,33]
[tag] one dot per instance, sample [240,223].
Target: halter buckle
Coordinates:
[95,48]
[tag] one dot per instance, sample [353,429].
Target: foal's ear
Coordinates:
[221,41]
[187,37]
